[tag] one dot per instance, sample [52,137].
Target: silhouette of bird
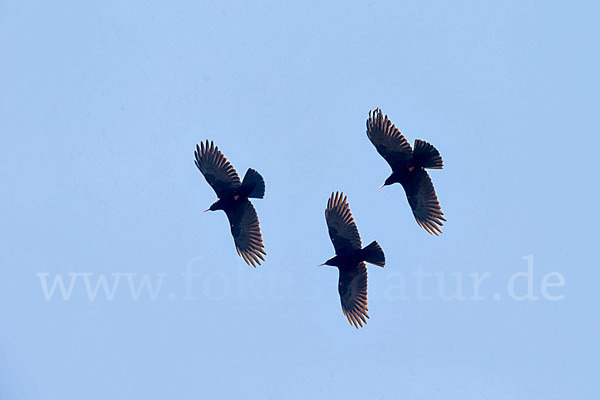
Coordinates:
[234,200]
[350,259]
[408,169]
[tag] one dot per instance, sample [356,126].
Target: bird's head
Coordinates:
[387,182]
[329,262]
[217,205]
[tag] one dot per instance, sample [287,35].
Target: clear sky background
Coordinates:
[101,106]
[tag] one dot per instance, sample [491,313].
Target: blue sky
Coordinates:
[103,102]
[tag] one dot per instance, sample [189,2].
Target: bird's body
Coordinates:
[404,173]
[350,259]
[409,169]
[234,200]
[228,202]
[231,199]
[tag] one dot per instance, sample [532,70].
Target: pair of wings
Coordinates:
[352,284]
[396,150]
[243,220]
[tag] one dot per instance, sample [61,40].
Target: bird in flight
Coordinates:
[234,200]
[350,259]
[408,169]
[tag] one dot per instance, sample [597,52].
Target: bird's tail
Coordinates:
[427,156]
[254,184]
[374,254]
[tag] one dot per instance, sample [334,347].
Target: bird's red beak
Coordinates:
[208,209]
[381,186]
[320,265]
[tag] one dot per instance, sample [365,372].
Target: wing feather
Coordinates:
[218,172]
[424,202]
[387,139]
[245,229]
[352,288]
[340,223]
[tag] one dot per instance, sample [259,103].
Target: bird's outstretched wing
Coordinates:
[387,139]
[340,223]
[245,229]
[352,287]
[217,171]
[424,202]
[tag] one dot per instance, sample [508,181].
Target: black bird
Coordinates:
[350,258]
[408,169]
[233,199]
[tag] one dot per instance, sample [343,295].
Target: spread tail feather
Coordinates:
[374,254]
[254,184]
[427,156]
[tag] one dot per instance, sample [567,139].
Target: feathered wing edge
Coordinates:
[245,229]
[217,170]
[352,288]
[425,205]
[340,223]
